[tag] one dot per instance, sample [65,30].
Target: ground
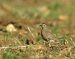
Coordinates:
[23,40]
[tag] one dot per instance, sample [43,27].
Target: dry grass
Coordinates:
[26,16]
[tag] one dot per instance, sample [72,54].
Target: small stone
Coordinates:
[11,28]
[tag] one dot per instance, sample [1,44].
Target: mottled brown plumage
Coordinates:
[48,36]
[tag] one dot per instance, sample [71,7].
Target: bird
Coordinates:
[47,35]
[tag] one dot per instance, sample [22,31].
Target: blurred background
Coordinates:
[59,13]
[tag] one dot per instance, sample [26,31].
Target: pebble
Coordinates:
[11,28]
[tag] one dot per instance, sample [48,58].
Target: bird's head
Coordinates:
[43,25]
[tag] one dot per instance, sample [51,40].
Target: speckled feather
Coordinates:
[47,35]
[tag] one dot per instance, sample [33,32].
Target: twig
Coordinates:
[30,32]
[6,47]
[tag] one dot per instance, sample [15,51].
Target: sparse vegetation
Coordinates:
[23,40]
